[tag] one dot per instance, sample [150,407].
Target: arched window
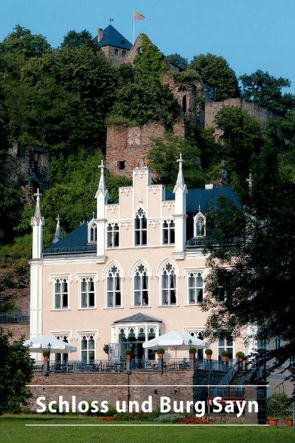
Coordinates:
[168,290]
[195,288]
[92,232]
[140,228]
[87,292]
[113,288]
[112,235]
[168,230]
[199,225]
[141,290]
[61,293]
[87,349]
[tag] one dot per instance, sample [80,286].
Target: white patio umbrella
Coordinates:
[44,342]
[176,340]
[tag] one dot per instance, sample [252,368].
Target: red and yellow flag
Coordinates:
[138,16]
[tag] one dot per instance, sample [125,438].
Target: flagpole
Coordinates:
[133,34]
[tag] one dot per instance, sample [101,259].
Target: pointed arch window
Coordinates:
[199,224]
[195,288]
[113,288]
[141,286]
[87,292]
[168,231]
[87,349]
[113,234]
[92,232]
[140,228]
[168,290]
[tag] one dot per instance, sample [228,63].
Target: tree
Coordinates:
[150,61]
[16,371]
[254,264]
[145,100]
[75,39]
[22,42]
[216,72]
[178,60]
[163,161]
[241,141]
[266,90]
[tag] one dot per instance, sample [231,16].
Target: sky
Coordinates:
[249,34]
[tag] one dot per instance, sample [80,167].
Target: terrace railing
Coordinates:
[173,364]
[14,317]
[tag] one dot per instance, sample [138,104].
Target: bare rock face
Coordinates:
[28,168]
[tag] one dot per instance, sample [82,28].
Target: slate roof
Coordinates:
[205,197]
[111,37]
[77,241]
[73,243]
[139,318]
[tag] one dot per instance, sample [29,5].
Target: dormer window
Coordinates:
[199,224]
[92,232]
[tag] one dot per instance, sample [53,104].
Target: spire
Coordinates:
[250,182]
[180,183]
[37,214]
[58,234]
[102,188]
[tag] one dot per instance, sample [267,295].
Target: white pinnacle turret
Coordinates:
[58,234]
[37,222]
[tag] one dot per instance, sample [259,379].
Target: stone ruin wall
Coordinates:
[261,114]
[126,145]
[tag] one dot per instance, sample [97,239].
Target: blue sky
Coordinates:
[249,34]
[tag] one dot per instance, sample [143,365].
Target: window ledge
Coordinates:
[168,306]
[114,307]
[92,308]
[193,304]
[60,310]
[140,307]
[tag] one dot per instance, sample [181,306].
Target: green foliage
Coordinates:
[208,351]
[178,60]
[216,72]
[46,353]
[150,60]
[242,140]
[145,100]
[16,371]
[161,351]
[106,349]
[225,353]
[22,42]
[240,354]
[266,90]
[163,161]
[128,351]
[120,120]
[75,39]
[192,350]
[187,76]
[277,405]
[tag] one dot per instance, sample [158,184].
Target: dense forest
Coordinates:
[64,97]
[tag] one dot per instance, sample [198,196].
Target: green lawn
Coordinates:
[14,429]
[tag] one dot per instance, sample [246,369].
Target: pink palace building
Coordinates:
[135,271]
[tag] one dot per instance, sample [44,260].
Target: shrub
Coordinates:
[192,350]
[277,405]
[128,351]
[225,353]
[240,354]
[208,351]
[161,351]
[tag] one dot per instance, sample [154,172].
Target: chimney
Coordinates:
[99,35]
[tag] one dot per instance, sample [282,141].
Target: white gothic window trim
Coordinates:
[168,285]
[61,298]
[140,287]
[113,235]
[87,348]
[168,232]
[195,288]
[87,292]
[199,224]
[92,231]
[113,287]
[140,228]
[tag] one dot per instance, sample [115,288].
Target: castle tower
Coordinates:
[102,197]
[180,191]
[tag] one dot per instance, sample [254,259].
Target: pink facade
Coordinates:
[132,258]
